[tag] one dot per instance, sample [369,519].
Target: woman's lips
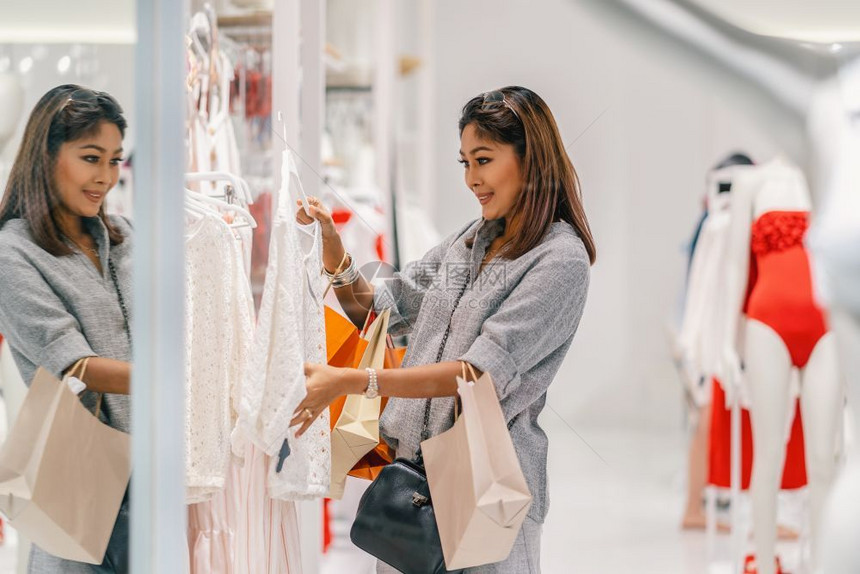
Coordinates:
[94,197]
[484,198]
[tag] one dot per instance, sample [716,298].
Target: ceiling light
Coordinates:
[25,65]
[835,48]
[64,64]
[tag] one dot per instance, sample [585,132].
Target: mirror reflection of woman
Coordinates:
[512,283]
[65,287]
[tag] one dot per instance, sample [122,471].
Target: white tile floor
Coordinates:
[610,516]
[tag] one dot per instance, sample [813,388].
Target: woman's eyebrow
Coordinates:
[477,149]
[98,148]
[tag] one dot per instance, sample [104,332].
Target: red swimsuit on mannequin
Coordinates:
[779,295]
[780,286]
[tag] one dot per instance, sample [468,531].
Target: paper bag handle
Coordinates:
[389,342]
[471,370]
[463,366]
[79,363]
[83,363]
[336,271]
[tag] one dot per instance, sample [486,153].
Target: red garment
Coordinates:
[340,217]
[328,537]
[720,446]
[780,286]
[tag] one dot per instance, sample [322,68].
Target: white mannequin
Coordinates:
[835,131]
[777,186]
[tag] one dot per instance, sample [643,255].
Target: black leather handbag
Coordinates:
[395,521]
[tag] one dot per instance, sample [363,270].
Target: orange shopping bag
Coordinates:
[345,349]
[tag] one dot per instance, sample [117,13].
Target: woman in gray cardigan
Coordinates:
[512,285]
[65,283]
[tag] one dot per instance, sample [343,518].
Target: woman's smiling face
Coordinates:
[86,169]
[493,172]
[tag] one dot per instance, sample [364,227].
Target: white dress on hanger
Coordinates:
[700,337]
[306,472]
[290,332]
[219,330]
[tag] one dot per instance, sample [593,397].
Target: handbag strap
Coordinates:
[122,304]
[425,430]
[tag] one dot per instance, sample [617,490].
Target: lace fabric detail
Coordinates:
[219,325]
[290,332]
[778,231]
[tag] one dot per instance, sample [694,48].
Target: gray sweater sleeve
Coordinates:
[34,319]
[538,317]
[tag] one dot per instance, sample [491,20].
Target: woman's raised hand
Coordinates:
[318,212]
[333,251]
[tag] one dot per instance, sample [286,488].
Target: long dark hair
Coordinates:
[66,113]
[551,189]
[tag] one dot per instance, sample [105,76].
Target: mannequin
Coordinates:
[835,131]
[782,337]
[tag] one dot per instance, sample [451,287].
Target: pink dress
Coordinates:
[242,530]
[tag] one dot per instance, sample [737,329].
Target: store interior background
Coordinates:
[644,115]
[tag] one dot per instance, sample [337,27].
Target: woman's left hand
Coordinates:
[324,385]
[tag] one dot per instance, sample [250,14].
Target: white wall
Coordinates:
[106,67]
[667,116]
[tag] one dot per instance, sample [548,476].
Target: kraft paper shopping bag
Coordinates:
[63,473]
[478,489]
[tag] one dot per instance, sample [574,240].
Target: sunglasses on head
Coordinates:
[82,96]
[497,97]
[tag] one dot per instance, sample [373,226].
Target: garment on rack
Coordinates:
[780,292]
[267,540]
[241,530]
[290,332]
[701,338]
[720,445]
[212,527]
[219,330]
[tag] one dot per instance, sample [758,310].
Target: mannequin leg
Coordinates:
[697,472]
[768,373]
[821,401]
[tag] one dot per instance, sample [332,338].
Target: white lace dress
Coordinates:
[290,332]
[219,325]
[239,529]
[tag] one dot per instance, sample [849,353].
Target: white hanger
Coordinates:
[239,184]
[289,163]
[192,197]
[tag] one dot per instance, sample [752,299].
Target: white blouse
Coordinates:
[700,339]
[290,332]
[219,326]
